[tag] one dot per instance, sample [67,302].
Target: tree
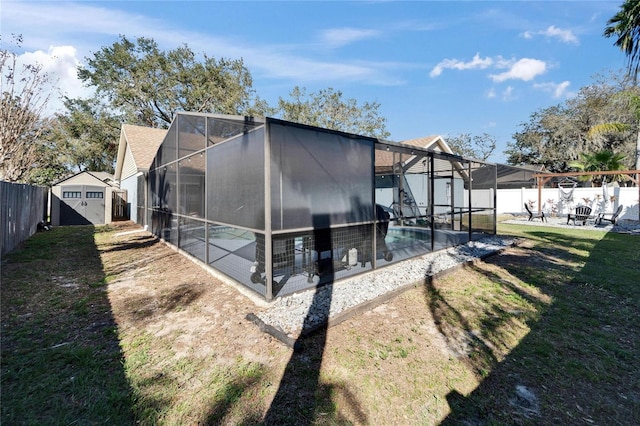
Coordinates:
[608,130]
[625,25]
[556,135]
[150,85]
[327,108]
[600,161]
[85,136]
[476,147]
[24,92]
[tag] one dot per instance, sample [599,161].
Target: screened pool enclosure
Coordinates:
[281,207]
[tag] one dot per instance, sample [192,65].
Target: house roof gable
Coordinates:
[431,143]
[142,143]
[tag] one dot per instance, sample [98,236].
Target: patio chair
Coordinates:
[582,214]
[534,215]
[612,216]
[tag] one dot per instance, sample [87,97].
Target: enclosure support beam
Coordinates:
[268,236]
[469,204]
[495,200]
[374,247]
[432,188]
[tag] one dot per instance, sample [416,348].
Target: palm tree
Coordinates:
[626,26]
[600,161]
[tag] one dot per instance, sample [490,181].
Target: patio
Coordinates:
[624,226]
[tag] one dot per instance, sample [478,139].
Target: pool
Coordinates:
[406,235]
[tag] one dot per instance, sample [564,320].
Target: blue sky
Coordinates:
[435,67]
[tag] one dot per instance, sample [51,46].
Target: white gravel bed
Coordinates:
[307,310]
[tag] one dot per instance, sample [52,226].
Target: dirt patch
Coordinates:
[168,296]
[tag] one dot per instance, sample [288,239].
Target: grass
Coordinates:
[558,316]
[582,350]
[61,362]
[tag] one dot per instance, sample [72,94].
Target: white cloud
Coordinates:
[507,94]
[525,69]
[558,90]
[528,35]
[565,36]
[476,63]
[338,37]
[60,64]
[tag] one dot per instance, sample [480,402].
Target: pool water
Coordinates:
[400,235]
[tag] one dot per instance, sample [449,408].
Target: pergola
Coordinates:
[543,178]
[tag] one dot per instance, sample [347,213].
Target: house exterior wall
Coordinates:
[130,184]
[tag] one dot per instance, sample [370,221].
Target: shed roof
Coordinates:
[86,177]
[142,142]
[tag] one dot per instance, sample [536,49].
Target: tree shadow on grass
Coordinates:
[61,359]
[144,307]
[580,362]
[228,395]
[133,244]
[458,333]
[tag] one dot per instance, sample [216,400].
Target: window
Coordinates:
[94,194]
[71,194]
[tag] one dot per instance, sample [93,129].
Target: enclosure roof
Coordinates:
[143,143]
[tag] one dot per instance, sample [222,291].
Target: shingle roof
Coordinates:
[143,143]
[423,142]
[103,176]
[384,159]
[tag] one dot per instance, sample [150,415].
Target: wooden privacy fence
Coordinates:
[22,207]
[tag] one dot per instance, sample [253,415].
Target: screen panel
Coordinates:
[316,174]
[191,134]
[235,181]
[192,185]
[220,129]
[192,237]
[168,150]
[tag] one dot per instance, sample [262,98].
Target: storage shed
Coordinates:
[281,207]
[85,198]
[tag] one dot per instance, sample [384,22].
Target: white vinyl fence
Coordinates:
[557,201]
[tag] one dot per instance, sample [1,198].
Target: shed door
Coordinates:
[82,205]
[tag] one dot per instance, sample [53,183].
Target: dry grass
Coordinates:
[105,328]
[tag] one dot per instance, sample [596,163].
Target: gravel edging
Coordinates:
[299,314]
